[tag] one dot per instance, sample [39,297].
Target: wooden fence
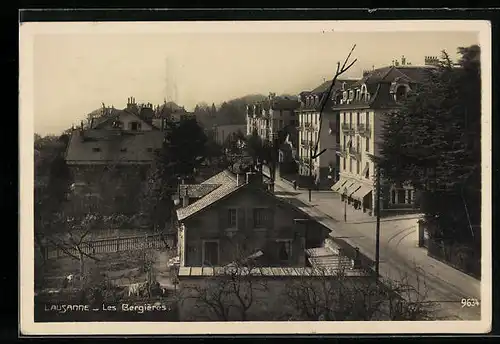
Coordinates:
[152,241]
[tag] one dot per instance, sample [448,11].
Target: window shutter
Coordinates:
[270,218]
[241,219]
[250,218]
[223,218]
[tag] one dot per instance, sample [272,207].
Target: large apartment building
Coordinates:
[363,107]
[324,169]
[271,116]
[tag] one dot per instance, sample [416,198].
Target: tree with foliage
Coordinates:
[433,142]
[52,181]
[235,143]
[254,146]
[184,149]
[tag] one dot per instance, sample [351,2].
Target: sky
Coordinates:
[75,73]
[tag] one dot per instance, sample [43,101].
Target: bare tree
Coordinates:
[325,294]
[313,153]
[73,242]
[231,291]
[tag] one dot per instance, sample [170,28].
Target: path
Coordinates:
[399,253]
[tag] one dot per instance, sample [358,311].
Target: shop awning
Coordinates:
[339,184]
[362,192]
[353,188]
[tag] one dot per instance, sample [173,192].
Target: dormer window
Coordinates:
[134,126]
[401,93]
[96,149]
[343,86]
[123,150]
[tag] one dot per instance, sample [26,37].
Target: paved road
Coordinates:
[399,254]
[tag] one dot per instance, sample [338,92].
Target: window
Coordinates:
[134,126]
[284,250]
[358,118]
[350,119]
[150,149]
[123,150]
[345,141]
[96,149]
[210,253]
[401,196]
[367,119]
[260,217]
[367,144]
[345,166]
[358,144]
[232,218]
[357,167]
[350,164]
[292,122]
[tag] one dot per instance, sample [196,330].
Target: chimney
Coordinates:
[403,60]
[185,199]
[356,262]
[240,179]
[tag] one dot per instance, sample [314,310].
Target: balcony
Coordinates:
[355,153]
[364,130]
[347,129]
[307,125]
[339,150]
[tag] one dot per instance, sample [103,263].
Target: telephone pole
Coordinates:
[310,172]
[377,211]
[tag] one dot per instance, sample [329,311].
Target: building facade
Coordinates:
[363,107]
[224,131]
[238,217]
[324,170]
[271,116]
[110,158]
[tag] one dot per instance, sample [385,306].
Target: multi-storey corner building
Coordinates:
[325,168]
[363,107]
[271,116]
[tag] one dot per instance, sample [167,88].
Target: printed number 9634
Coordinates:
[469,302]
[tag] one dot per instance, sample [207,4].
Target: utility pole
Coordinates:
[310,172]
[345,205]
[377,210]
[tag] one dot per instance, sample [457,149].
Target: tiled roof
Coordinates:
[378,83]
[227,185]
[107,146]
[197,190]
[322,257]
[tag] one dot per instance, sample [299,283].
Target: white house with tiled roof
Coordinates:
[239,215]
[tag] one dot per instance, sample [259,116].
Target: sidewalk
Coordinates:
[399,253]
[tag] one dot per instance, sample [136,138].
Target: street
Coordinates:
[399,254]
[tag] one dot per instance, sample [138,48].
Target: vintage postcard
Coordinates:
[255,177]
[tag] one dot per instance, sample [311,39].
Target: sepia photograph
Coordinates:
[255,177]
